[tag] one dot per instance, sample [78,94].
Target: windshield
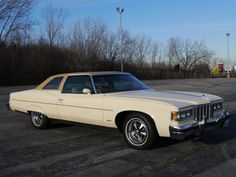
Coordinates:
[117,83]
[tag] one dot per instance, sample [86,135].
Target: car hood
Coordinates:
[176,98]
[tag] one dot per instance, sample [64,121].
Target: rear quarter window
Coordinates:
[53,84]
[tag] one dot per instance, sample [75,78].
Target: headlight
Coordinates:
[216,106]
[181,115]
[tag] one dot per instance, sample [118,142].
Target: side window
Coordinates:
[103,84]
[53,84]
[76,84]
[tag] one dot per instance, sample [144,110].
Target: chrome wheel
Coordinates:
[37,118]
[136,131]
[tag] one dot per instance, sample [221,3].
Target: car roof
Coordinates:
[91,73]
[40,86]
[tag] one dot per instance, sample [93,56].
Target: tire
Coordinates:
[139,131]
[39,120]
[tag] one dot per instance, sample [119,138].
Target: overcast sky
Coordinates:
[160,19]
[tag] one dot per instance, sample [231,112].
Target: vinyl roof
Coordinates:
[92,73]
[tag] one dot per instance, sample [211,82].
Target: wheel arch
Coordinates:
[120,117]
[34,108]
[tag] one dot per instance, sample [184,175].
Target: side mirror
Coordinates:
[87,91]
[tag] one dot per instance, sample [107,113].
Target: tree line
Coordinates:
[88,45]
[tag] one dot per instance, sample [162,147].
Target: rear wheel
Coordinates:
[39,120]
[139,131]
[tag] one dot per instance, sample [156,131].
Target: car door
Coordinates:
[74,105]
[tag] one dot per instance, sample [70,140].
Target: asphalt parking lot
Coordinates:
[71,149]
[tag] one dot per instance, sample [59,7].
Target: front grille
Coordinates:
[202,112]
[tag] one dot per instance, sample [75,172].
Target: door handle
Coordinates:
[60,99]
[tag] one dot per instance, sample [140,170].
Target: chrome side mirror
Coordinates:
[87,91]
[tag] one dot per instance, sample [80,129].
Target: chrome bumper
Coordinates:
[196,128]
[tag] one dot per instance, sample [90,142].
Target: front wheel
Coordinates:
[39,120]
[139,131]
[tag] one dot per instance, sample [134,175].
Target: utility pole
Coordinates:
[228,35]
[120,11]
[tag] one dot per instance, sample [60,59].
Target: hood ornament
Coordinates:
[204,97]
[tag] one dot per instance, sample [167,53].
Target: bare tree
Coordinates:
[129,46]
[187,53]
[143,50]
[96,36]
[91,42]
[129,50]
[112,49]
[54,23]
[14,17]
[154,53]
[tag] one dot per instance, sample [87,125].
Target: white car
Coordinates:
[119,100]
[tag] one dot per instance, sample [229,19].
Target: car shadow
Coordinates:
[212,137]
[209,137]
[165,142]
[220,135]
[64,124]
[60,124]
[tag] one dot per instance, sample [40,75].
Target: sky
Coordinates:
[207,20]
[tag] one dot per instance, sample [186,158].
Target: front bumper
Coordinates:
[196,128]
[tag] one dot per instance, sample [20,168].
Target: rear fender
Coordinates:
[35,109]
